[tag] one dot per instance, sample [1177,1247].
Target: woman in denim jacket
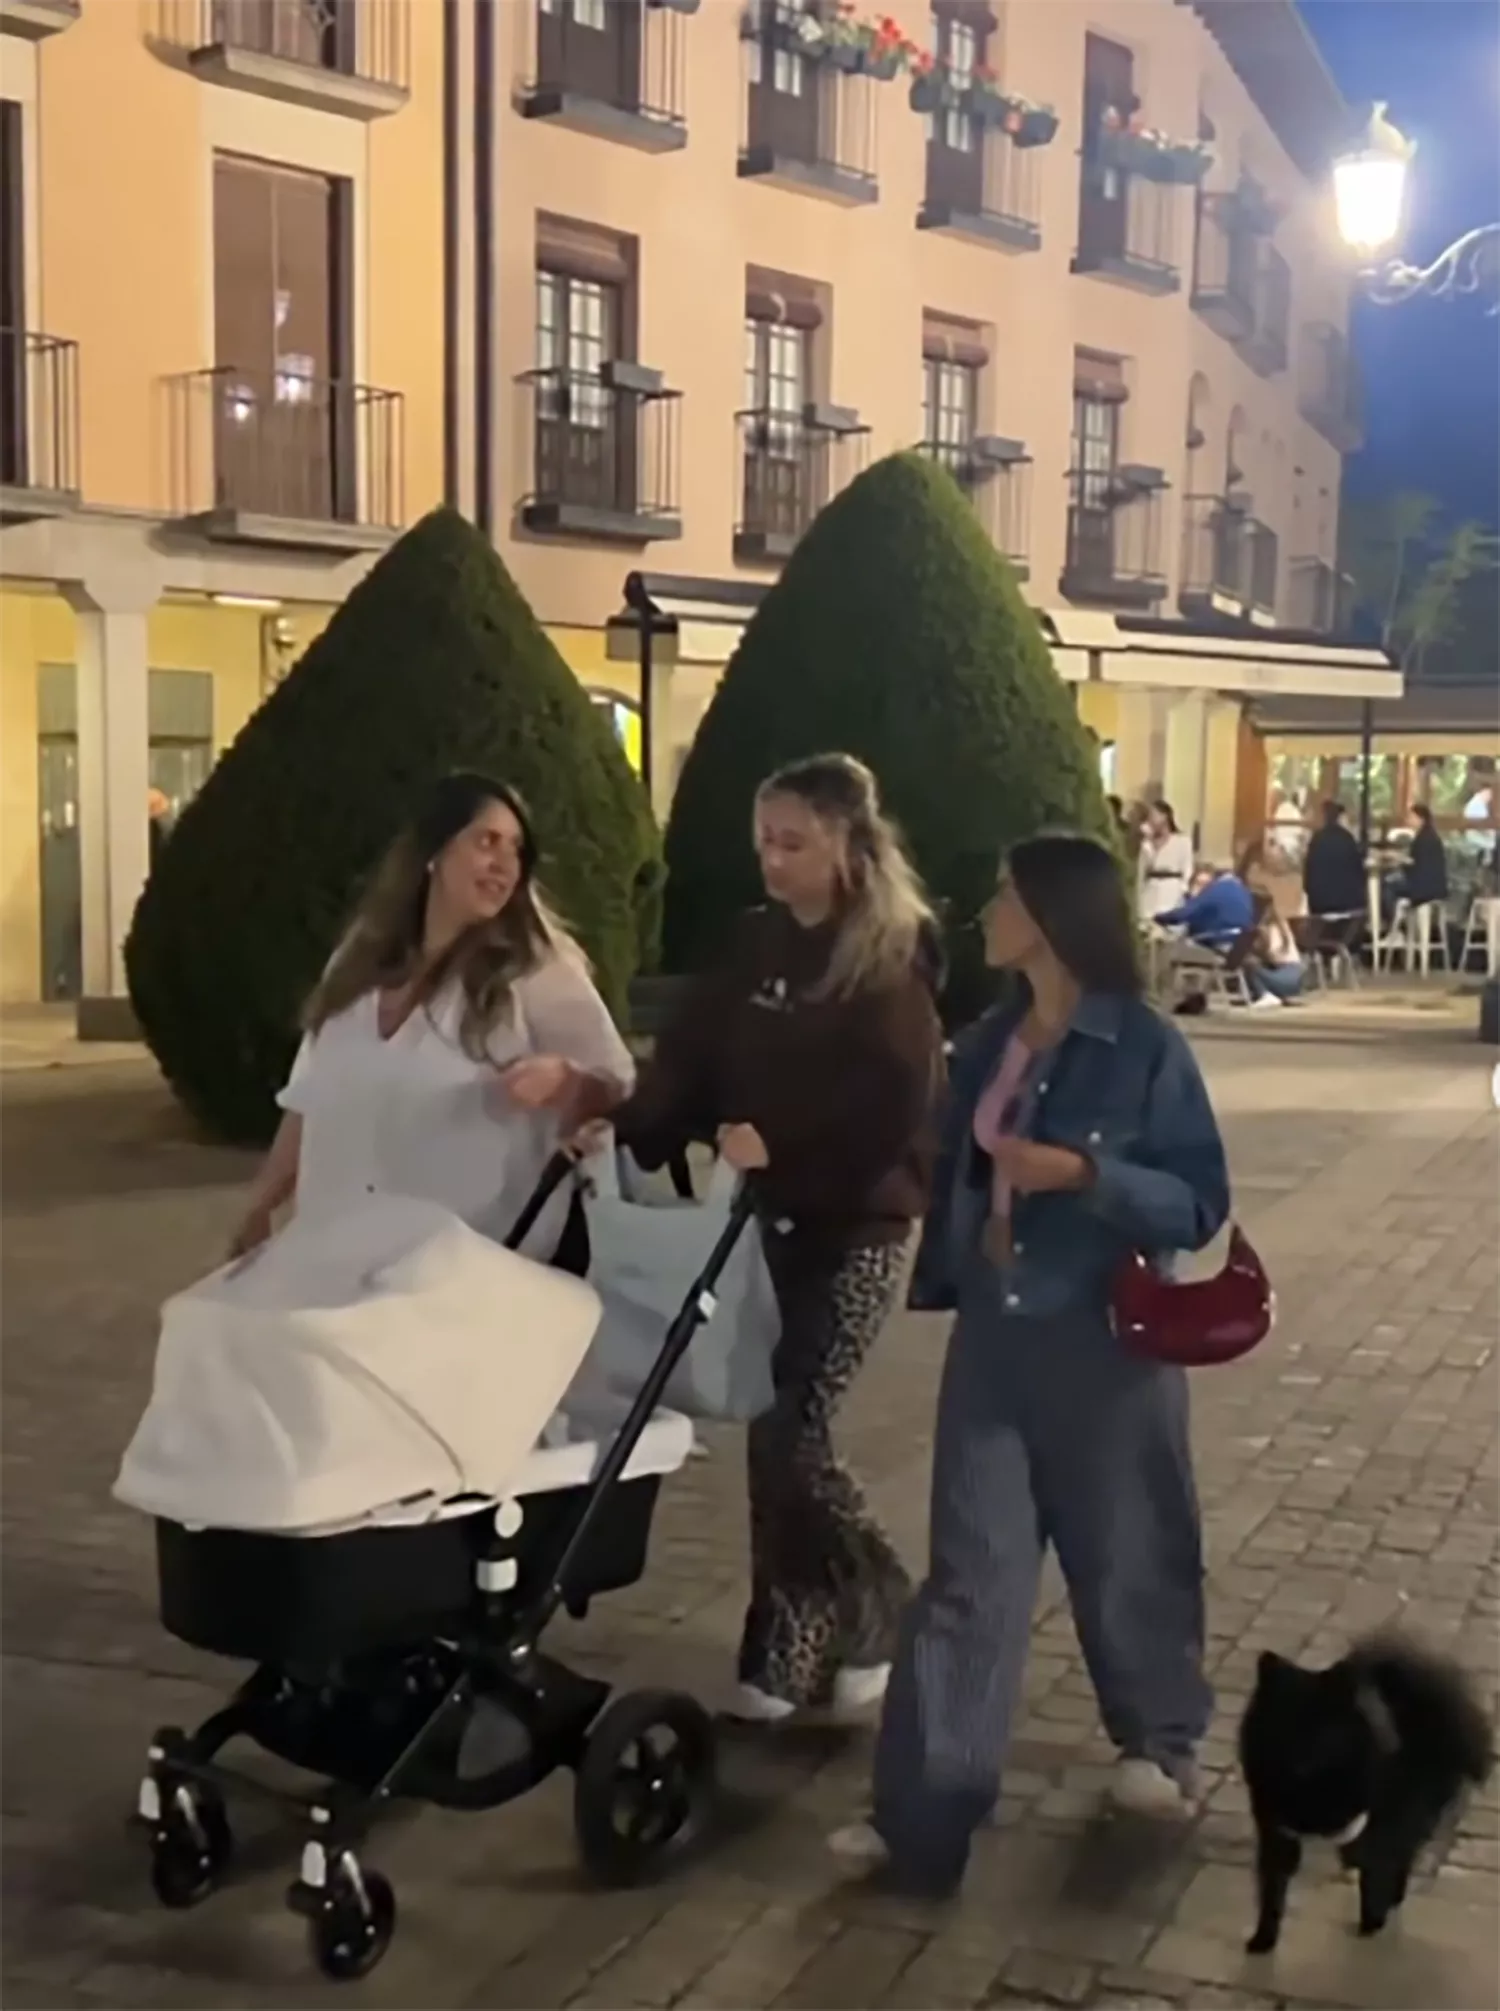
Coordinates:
[1078,1130]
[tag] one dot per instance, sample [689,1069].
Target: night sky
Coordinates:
[1432,367]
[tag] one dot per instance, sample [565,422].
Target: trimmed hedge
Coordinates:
[435,662]
[898,634]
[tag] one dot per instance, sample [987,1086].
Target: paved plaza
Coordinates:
[1349,1477]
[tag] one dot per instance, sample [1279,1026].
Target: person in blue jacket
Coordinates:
[1078,1130]
[1217,915]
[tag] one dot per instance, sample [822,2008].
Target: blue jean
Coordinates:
[1282,981]
[1048,1431]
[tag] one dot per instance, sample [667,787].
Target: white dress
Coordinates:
[1166,871]
[415,1115]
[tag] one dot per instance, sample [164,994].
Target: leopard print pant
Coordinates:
[827,1589]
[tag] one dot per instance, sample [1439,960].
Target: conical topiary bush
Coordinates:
[435,662]
[898,634]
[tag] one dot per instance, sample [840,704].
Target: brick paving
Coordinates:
[1348,1474]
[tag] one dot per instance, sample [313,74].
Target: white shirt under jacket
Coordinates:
[415,1115]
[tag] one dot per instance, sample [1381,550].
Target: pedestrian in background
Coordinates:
[812,1055]
[1166,862]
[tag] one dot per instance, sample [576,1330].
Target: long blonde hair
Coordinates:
[882,910]
[382,947]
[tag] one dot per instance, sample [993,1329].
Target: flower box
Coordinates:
[1151,155]
[1037,127]
[933,90]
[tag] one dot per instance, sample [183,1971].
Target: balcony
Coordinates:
[808,125]
[284,460]
[613,68]
[1215,574]
[1264,346]
[1224,268]
[1229,561]
[38,426]
[989,196]
[34,20]
[1263,549]
[1127,229]
[1331,395]
[606,454]
[791,464]
[1114,553]
[347,56]
[995,475]
[1318,597]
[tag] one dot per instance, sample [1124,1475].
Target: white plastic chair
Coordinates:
[1418,935]
[1482,934]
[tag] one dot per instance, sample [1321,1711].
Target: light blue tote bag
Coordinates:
[647,1253]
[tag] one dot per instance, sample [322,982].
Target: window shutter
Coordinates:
[581,251]
[1101,378]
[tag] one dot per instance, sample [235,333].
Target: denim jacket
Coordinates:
[1123,1088]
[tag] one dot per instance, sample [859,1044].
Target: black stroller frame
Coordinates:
[384,1725]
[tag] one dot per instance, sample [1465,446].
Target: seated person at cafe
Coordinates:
[1273,971]
[1216,913]
[1426,875]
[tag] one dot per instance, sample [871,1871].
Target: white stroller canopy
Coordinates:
[376,1358]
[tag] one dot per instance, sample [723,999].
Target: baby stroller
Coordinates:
[403,1662]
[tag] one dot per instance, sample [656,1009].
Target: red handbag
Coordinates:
[1198,1322]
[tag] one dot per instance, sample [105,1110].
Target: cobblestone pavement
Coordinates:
[1348,1473]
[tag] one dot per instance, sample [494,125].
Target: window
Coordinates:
[776,381]
[789,70]
[587,13]
[577,333]
[1096,447]
[283,432]
[950,405]
[958,48]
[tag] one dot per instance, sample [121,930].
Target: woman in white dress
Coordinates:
[454,1041]
[1166,863]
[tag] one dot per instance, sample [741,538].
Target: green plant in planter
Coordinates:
[1130,147]
[933,89]
[837,36]
[895,632]
[433,663]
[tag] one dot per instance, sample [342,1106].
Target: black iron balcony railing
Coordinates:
[365,41]
[807,123]
[1127,228]
[1331,395]
[1215,558]
[613,67]
[1262,563]
[1265,345]
[606,453]
[995,475]
[278,444]
[1318,597]
[791,464]
[1224,267]
[992,193]
[38,417]
[1114,550]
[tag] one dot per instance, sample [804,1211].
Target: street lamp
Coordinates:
[1369,193]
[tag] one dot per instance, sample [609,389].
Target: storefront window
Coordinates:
[624,718]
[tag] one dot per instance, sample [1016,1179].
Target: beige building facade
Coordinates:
[639,284]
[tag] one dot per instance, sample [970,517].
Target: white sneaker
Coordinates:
[859,1847]
[856,1691]
[1267,1002]
[1141,1787]
[749,1706]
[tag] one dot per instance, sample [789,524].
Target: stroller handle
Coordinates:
[560,1167]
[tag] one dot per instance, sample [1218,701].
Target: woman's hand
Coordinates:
[1042,1169]
[255,1229]
[742,1147]
[589,1138]
[538,1081]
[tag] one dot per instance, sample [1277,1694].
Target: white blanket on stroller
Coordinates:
[352,1365]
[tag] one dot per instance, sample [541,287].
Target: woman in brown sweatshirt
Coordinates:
[812,1056]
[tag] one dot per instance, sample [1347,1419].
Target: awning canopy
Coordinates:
[1432,712]
[1090,647]
[692,621]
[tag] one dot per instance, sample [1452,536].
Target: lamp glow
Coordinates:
[1369,187]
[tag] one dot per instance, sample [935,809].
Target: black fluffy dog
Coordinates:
[1371,1754]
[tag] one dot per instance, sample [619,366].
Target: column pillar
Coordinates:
[113,784]
[1186,761]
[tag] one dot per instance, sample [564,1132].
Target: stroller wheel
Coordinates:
[191,1846]
[352,1927]
[645,1785]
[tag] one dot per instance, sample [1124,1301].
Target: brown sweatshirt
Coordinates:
[842,1090]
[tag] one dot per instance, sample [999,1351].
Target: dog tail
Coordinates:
[1433,1702]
